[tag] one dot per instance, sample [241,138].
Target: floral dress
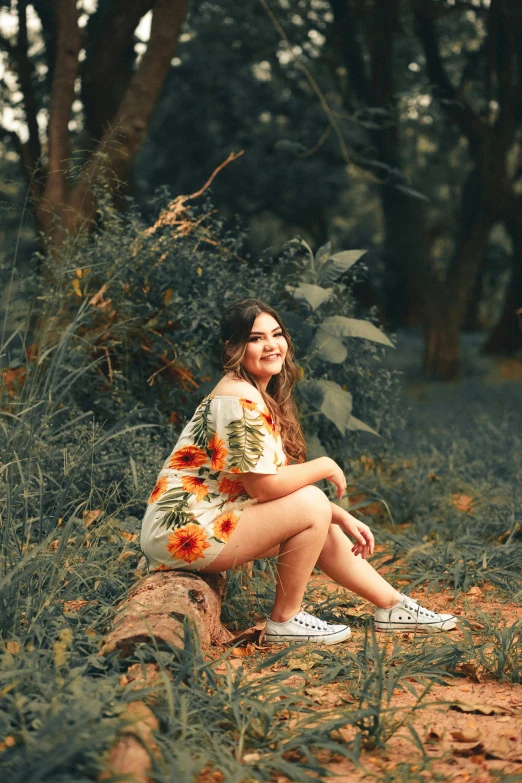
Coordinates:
[199,495]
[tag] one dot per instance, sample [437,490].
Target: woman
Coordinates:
[229,494]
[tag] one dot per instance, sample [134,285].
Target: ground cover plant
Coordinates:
[83,435]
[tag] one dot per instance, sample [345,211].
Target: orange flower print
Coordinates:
[247,404]
[219,452]
[231,487]
[188,543]
[224,525]
[195,485]
[268,422]
[188,457]
[159,489]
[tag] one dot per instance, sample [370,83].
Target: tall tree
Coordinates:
[366,34]
[94,64]
[490,122]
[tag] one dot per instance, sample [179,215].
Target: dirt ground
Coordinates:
[470,728]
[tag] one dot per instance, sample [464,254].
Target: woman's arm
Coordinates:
[289,478]
[364,541]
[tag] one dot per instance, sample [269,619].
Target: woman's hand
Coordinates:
[364,541]
[336,476]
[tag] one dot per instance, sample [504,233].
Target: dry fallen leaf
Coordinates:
[462,502]
[479,709]
[475,749]
[474,591]
[242,652]
[249,758]
[128,536]
[305,663]
[12,647]
[500,747]
[466,735]
[91,516]
[470,669]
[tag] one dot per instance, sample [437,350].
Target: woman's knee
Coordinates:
[312,503]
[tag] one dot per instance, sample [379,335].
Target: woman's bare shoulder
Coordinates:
[230,388]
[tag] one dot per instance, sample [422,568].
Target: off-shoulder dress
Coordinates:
[199,496]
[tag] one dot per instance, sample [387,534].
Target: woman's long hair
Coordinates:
[236,325]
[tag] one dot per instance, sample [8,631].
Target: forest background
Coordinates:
[356,163]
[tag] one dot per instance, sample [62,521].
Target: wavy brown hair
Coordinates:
[236,325]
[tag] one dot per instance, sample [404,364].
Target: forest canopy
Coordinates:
[392,126]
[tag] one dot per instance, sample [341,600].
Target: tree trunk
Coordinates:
[372,84]
[442,351]
[66,209]
[407,257]
[157,606]
[446,304]
[505,339]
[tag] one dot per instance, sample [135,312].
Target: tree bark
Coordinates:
[116,152]
[488,191]
[446,307]
[157,606]
[371,86]
[505,339]
[52,213]
[110,51]
[118,104]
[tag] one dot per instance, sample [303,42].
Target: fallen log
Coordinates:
[157,606]
[130,756]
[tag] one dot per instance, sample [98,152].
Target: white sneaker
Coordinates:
[407,615]
[305,628]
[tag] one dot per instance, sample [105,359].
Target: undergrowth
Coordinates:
[444,504]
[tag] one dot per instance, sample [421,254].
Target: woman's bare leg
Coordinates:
[299,522]
[351,571]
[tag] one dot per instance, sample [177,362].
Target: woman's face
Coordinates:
[265,350]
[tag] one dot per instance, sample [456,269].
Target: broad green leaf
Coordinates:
[356,424]
[313,295]
[330,399]
[340,326]
[330,348]
[314,447]
[337,264]
[323,254]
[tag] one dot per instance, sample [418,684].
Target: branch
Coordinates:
[452,100]
[62,97]
[116,152]
[351,50]
[110,50]
[25,77]
[311,81]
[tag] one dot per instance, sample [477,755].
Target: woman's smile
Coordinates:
[266,349]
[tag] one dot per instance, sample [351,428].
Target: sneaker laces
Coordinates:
[414,607]
[309,621]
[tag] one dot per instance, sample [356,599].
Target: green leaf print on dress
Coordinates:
[202,431]
[173,520]
[245,440]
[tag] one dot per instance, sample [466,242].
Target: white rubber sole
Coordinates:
[414,628]
[334,638]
